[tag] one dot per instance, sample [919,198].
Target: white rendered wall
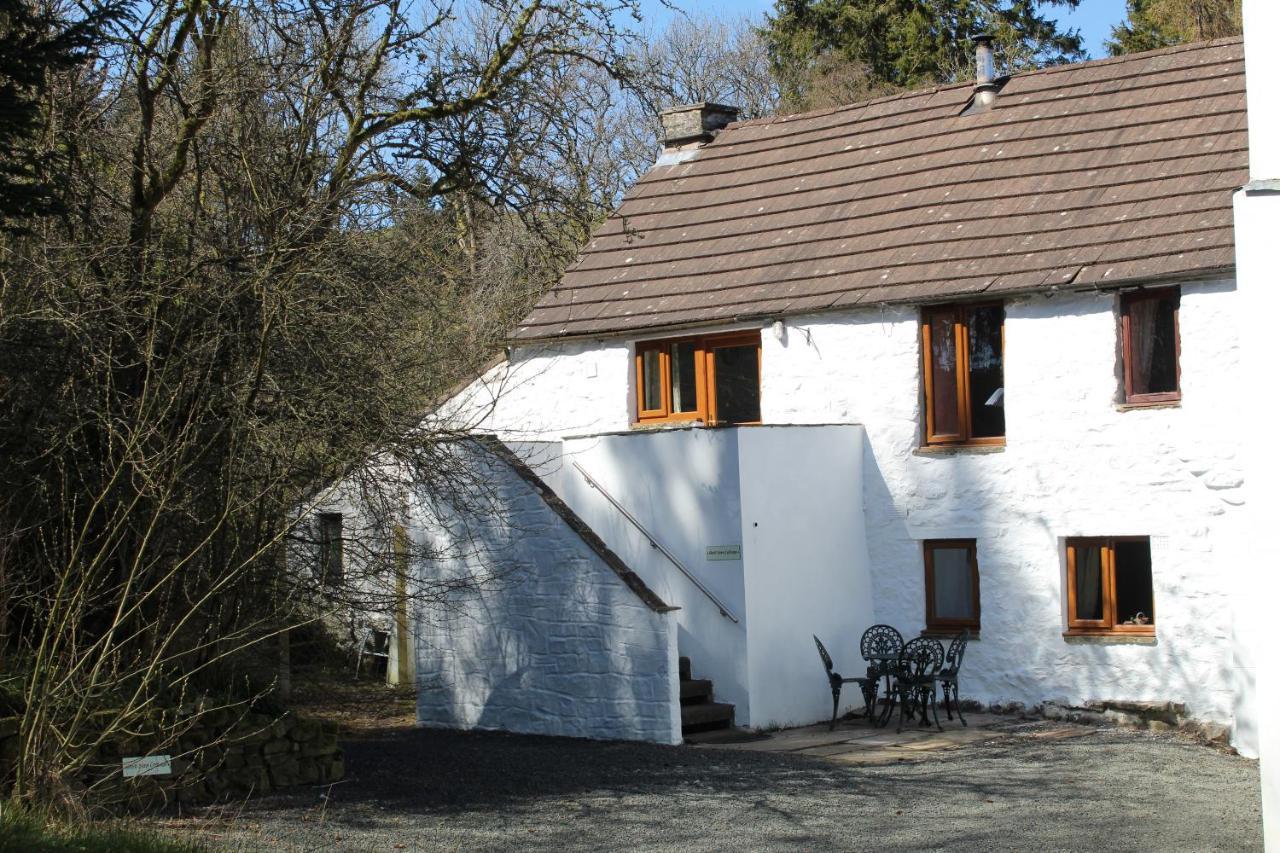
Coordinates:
[548,393]
[682,486]
[1075,465]
[806,566]
[1257,224]
[556,644]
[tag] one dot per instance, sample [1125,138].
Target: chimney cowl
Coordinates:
[985,86]
[695,122]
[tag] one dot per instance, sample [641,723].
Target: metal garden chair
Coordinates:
[837,682]
[915,680]
[949,677]
[880,647]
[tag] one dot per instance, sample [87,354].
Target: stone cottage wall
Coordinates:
[558,638]
[1075,464]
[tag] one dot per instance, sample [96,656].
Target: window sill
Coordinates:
[1109,638]
[957,449]
[1154,404]
[950,633]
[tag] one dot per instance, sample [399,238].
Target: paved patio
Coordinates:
[856,742]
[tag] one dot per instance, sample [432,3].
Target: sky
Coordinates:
[1094,18]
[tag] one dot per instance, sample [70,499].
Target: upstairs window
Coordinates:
[330,538]
[1109,589]
[1149,341]
[963,349]
[951,584]
[714,379]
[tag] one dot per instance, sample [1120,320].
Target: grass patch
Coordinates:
[22,831]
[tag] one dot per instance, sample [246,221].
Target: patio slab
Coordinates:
[856,742]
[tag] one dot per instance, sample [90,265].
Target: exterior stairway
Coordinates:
[698,713]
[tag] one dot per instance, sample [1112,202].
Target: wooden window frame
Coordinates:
[704,347]
[1107,624]
[931,620]
[1127,298]
[965,414]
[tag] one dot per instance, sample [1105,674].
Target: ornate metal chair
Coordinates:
[915,682]
[837,682]
[880,647]
[949,677]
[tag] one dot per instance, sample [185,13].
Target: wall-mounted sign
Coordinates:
[724,552]
[146,765]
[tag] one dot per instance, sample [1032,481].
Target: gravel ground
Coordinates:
[420,789]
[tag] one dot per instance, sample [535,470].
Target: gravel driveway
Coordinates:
[420,789]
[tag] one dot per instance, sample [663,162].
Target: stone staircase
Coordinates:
[698,713]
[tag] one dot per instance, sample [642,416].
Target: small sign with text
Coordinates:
[724,552]
[146,765]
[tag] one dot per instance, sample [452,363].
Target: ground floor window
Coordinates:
[1109,587]
[711,378]
[951,584]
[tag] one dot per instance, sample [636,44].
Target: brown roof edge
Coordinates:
[942,87]
[769,316]
[589,537]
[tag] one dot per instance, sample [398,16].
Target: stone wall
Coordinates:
[557,638]
[220,755]
[1075,464]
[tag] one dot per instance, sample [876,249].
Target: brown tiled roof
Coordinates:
[1104,172]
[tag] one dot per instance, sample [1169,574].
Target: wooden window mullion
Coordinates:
[963,402]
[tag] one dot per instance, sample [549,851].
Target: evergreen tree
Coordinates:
[1153,24]
[826,52]
[34,45]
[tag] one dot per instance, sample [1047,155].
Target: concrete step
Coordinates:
[706,715]
[695,690]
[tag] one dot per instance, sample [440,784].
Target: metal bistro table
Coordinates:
[883,665]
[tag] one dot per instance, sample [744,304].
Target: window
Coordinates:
[951,584]
[330,529]
[1109,586]
[1149,336]
[963,348]
[714,379]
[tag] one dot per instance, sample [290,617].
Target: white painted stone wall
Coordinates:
[791,499]
[1257,222]
[556,644]
[1075,465]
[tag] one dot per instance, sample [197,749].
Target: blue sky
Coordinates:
[1094,18]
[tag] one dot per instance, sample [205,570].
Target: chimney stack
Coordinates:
[694,124]
[985,88]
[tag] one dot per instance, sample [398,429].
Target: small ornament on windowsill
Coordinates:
[1138,618]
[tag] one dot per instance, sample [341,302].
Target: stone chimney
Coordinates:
[694,124]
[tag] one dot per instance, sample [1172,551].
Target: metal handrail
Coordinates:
[653,542]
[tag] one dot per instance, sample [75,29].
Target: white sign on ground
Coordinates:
[146,765]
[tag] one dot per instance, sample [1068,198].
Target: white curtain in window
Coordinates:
[952,584]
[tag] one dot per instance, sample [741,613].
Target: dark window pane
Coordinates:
[986,371]
[1134,604]
[1153,344]
[330,547]
[1088,582]
[737,371]
[944,400]
[952,584]
[651,381]
[684,378]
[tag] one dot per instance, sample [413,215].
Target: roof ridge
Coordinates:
[943,87]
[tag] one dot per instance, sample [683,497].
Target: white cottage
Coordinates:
[959,358]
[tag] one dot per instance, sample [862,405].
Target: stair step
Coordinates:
[686,669]
[695,690]
[706,715]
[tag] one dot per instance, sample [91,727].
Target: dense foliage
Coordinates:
[1153,24]
[828,52]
